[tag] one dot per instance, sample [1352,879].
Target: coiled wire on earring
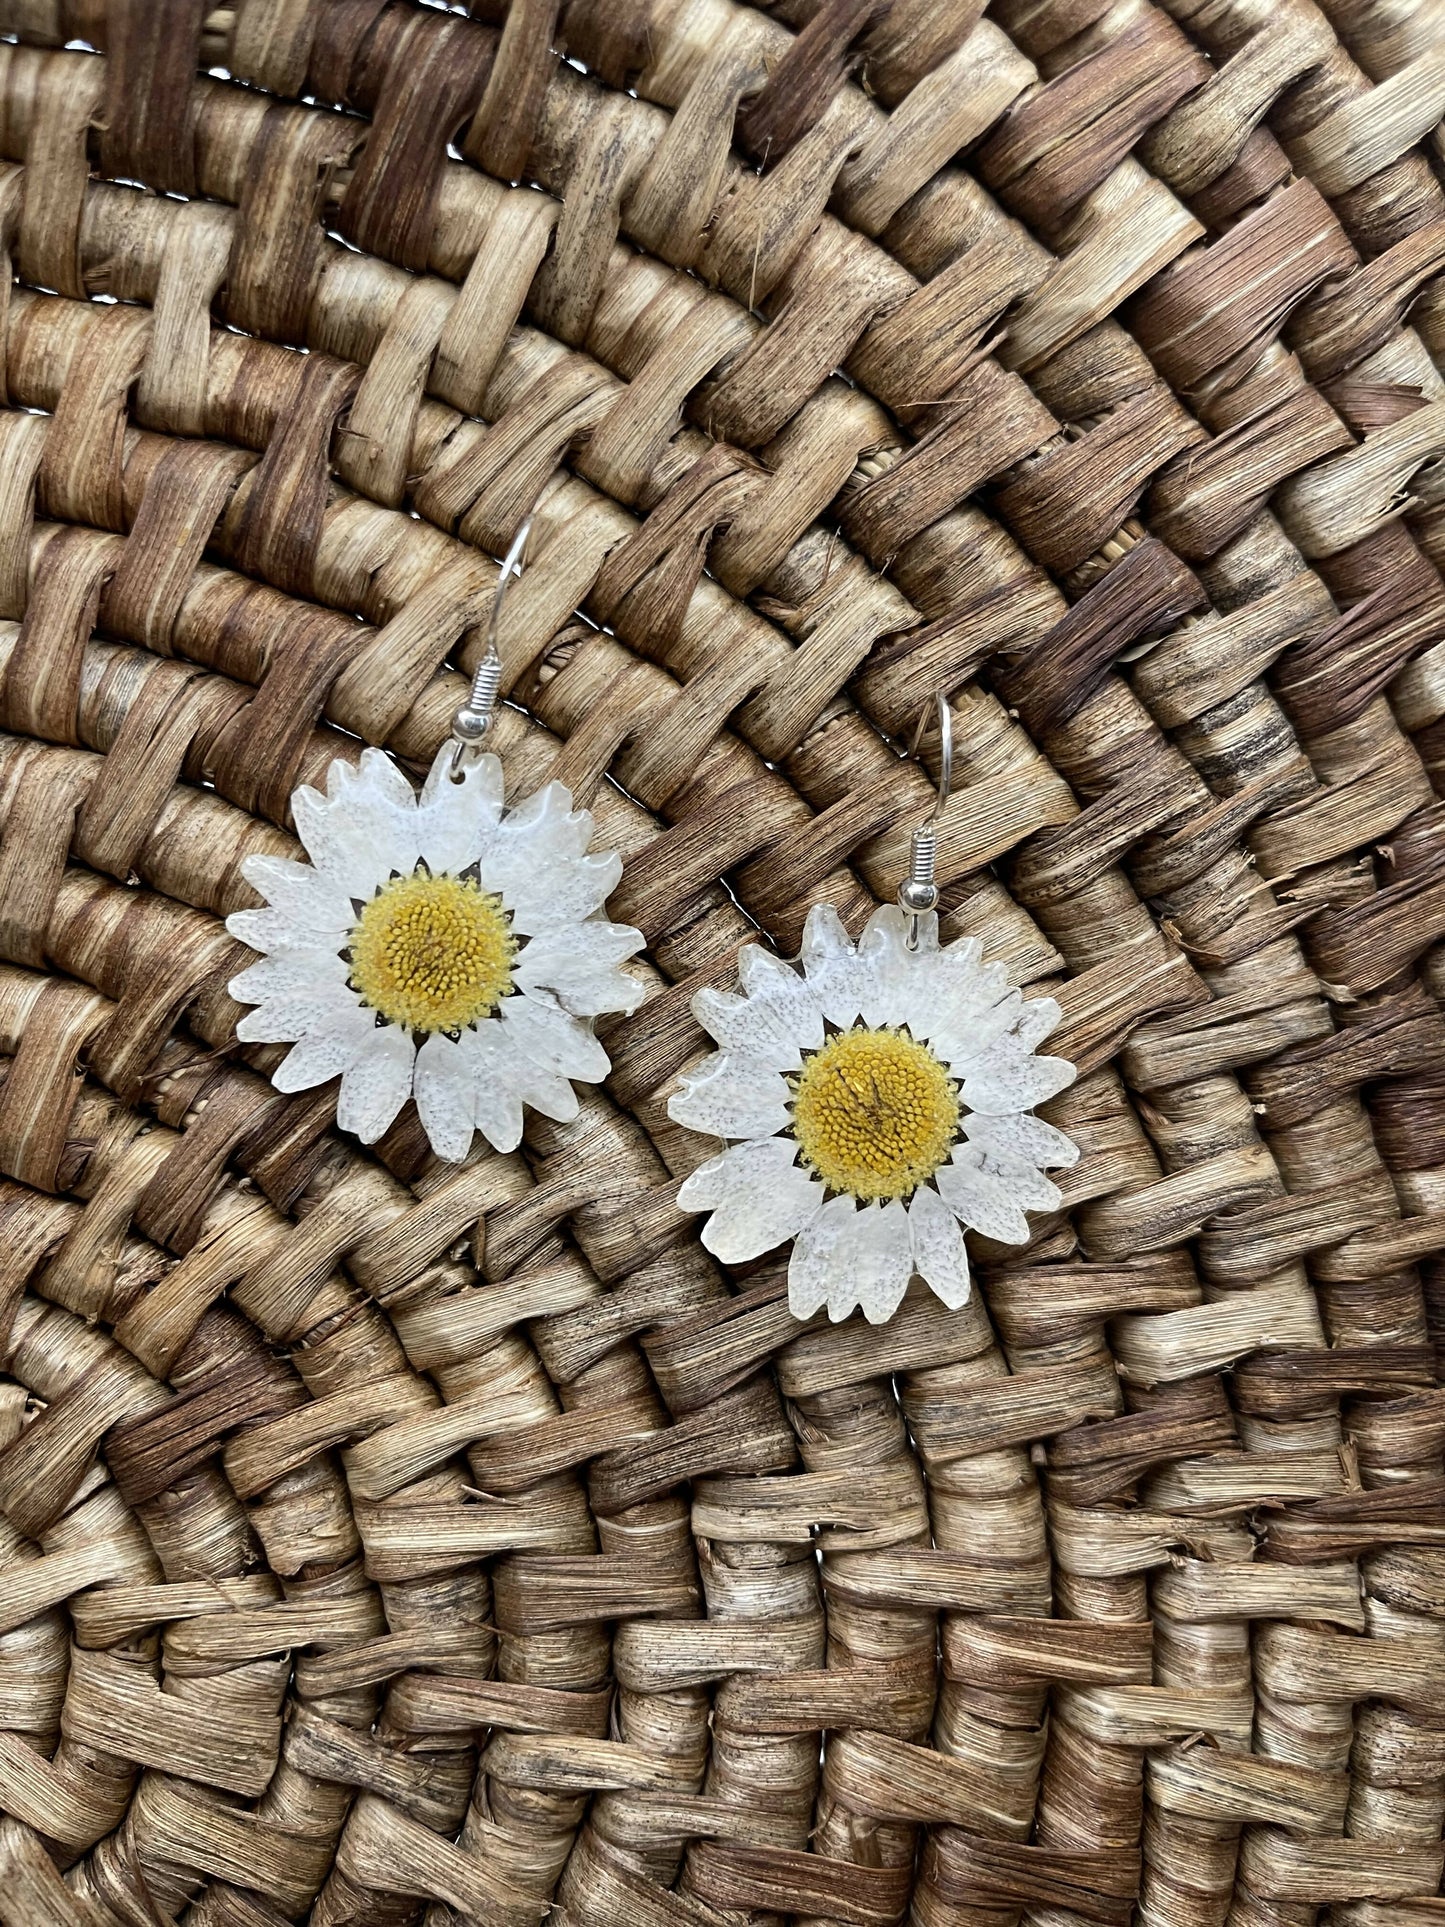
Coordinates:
[473,720]
[918,893]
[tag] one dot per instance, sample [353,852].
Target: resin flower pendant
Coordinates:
[436,947]
[879,1099]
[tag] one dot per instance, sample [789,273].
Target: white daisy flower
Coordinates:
[879,1099]
[436,947]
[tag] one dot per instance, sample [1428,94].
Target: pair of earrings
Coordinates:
[873,1098]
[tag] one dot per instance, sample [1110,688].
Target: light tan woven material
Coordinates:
[389,1542]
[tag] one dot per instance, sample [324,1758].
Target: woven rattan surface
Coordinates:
[387,1541]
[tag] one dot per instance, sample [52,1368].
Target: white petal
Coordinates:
[980,1197]
[304,905]
[960,999]
[889,968]
[537,863]
[968,1031]
[835,975]
[286,972]
[1040,1016]
[445,1086]
[821,1258]
[748,1025]
[377,1084]
[1018,1134]
[282,880]
[1024,1182]
[926,991]
[729,1096]
[459,811]
[939,1254]
[548,894]
[824,936]
[881,1264]
[281,1020]
[1006,1078]
[546,826]
[509,1078]
[552,1040]
[373,778]
[496,1102]
[768,980]
[365,825]
[759,1197]
[791,1207]
[848,1258]
[961,962]
[348,851]
[578,962]
[271,930]
[774,1022]
[554,1097]
[325,1053]
[706,1188]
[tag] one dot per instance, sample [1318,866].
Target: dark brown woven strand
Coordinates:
[387,1542]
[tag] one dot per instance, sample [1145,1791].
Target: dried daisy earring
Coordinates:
[875,1099]
[438,946]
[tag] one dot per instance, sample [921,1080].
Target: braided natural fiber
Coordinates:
[386,1541]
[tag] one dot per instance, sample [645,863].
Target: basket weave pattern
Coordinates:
[389,1542]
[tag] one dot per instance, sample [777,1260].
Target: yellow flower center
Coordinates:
[432,952]
[874,1113]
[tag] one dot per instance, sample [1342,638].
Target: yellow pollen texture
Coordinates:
[874,1113]
[432,952]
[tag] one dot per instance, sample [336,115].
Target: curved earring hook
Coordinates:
[939,708]
[918,893]
[472,721]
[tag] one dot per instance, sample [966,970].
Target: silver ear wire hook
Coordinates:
[473,720]
[918,893]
